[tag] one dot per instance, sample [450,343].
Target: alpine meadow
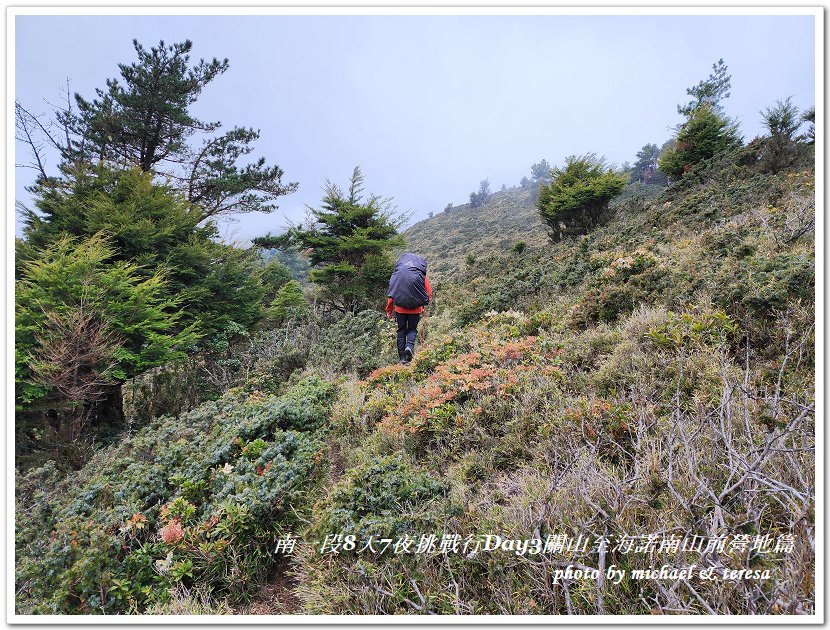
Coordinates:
[609,409]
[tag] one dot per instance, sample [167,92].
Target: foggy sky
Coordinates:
[430,105]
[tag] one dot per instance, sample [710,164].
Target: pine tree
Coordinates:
[704,135]
[576,199]
[144,119]
[707,131]
[84,323]
[348,241]
[710,91]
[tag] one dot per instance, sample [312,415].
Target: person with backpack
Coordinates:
[409,292]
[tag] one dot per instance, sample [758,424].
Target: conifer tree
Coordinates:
[478,198]
[710,91]
[781,148]
[143,118]
[84,323]
[290,304]
[707,131]
[702,136]
[540,171]
[152,226]
[577,197]
[645,170]
[348,241]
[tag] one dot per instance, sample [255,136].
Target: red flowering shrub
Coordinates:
[389,374]
[497,366]
[173,532]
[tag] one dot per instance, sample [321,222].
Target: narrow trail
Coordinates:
[338,464]
[277,596]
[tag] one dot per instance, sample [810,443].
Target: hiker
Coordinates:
[409,292]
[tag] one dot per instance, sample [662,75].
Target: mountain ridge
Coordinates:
[507,217]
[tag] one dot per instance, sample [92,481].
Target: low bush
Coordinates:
[357,344]
[195,500]
[633,278]
[386,497]
[763,284]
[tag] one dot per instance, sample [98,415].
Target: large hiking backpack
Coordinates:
[406,286]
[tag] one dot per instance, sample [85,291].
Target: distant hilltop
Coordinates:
[504,219]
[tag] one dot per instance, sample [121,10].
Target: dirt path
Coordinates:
[276,597]
[338,464]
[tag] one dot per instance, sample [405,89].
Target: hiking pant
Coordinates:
[407,331]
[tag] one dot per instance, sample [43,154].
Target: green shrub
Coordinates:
[270,376]
[439,351]
[357,343]
[759,285]
[629,280]
[577,197]
[198,500]
[693,328]
[384,498]
[304,407]
[508,285]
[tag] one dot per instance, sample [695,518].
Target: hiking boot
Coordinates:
[407,354]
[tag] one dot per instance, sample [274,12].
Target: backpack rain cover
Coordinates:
[406,286]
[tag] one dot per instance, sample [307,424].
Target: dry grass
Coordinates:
[717,444]
[184,601]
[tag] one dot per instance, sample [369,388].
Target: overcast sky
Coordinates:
[431,105]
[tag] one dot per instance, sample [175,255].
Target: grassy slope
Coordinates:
[446,239]
[634,374]
[628,376]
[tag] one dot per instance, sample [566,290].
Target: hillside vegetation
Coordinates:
[610,410]
[445,240]
[656,375]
